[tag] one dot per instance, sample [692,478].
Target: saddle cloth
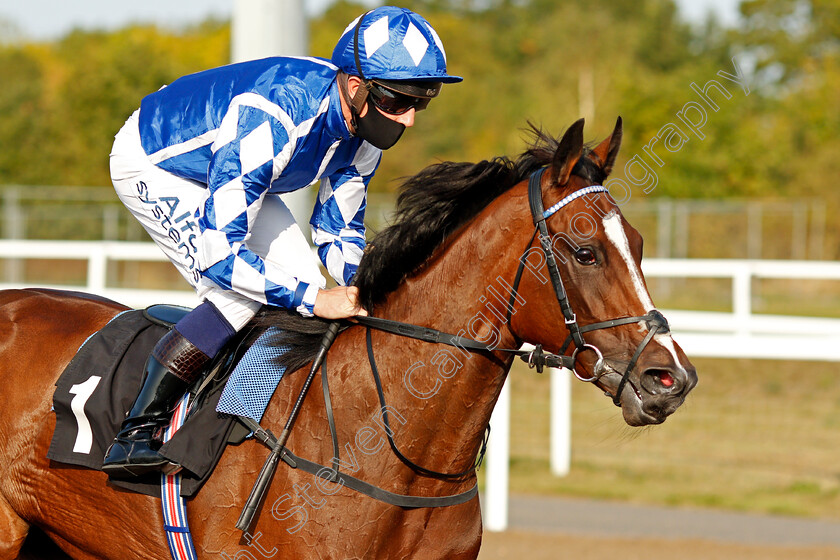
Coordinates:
[101,383]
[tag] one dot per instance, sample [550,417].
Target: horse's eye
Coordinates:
[585,256]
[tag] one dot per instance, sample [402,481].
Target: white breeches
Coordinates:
[168,208]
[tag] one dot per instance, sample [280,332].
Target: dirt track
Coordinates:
[521,545]
[559,528]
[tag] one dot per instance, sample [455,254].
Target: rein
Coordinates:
[536,358]
[388,431]
[332,474]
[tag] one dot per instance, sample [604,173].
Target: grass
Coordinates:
[755,435]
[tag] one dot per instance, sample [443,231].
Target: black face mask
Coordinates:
[376,128]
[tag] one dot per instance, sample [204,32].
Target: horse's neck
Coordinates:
[459,292]
[453,287]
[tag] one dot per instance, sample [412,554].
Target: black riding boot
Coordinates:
[174,365]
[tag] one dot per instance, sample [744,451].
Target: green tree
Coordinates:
[523,60]
[21,107]
[63,102]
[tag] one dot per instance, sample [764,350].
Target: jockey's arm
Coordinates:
[338,230]
[238,181]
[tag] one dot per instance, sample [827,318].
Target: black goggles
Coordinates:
[394,102]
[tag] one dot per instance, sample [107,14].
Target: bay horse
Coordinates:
[461,256]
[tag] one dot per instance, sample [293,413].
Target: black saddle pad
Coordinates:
[100,385]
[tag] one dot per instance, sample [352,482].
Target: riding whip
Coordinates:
[278,444]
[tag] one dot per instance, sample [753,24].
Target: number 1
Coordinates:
[83,391]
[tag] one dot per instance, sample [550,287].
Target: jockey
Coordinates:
[203,161]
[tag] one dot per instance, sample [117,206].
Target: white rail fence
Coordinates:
[97,254]
[740,333]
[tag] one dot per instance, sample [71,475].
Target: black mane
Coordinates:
[431,206]
[438,201]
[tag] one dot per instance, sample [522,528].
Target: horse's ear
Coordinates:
[607,150]
[567,154]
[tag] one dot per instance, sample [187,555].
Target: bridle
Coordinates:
[654,320]
[537,358]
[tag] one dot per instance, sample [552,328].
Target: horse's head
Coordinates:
[578,290]
[592,301]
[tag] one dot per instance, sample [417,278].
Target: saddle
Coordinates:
[102,381]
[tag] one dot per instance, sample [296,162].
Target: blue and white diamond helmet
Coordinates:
[394,44]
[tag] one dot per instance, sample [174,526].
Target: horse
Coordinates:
[462,255]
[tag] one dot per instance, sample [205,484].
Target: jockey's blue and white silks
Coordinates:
[253,129]
[394,44]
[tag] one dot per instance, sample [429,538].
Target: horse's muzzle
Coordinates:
[663,389]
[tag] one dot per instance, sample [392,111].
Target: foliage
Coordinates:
[523,60]
[63,102]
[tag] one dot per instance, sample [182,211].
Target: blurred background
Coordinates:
[749,176]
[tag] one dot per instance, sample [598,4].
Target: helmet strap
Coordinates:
[374,127]
[364,88]
[361,96]
[358,100]
[356,46]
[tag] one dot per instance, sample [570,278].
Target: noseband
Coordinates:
[654,320]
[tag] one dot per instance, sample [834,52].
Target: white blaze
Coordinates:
[615,233]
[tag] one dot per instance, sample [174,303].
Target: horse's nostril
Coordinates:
[659,381]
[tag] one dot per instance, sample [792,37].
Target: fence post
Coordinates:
[664,234]
[96,270]
[755,211]
[13,228]
[817,234]
[110,223]
[741,296]
[561,421]
[497,463]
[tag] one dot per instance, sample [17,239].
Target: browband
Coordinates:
[574,196]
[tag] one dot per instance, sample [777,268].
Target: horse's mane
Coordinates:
[431,206]
[437,202]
